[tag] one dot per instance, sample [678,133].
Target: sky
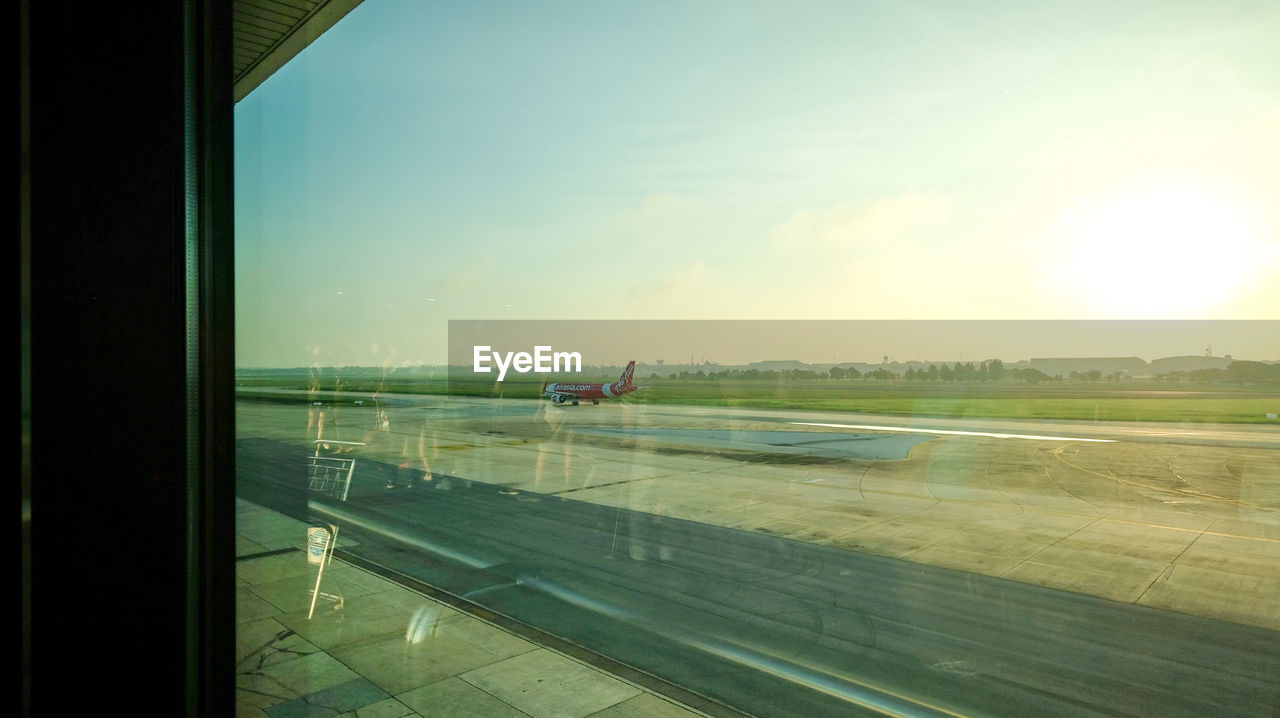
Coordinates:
[428,161]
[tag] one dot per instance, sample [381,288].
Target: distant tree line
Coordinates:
[1237,372]
[991,371]
[987,371]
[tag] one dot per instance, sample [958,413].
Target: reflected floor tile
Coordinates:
[256,692]
[359,619]
[303,676]
[455,698]
[266,642]
[331,701]
[547,685]
[398,664]
[294,594]
[278,539]
[245,547]
[647,705]
[389,708]
[270,530]
[273,568]
[251,607]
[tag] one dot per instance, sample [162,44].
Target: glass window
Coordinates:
[795,360]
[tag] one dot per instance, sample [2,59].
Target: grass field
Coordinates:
[1133,401]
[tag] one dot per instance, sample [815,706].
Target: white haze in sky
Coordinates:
[423,162]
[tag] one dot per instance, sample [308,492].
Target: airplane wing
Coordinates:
[560,396]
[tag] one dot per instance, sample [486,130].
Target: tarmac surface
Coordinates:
[786,564]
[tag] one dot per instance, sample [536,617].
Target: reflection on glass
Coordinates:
[834,494]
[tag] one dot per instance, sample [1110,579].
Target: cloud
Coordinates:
[659,222]
[656,209]
[680,283]
[865,226]
[468,280]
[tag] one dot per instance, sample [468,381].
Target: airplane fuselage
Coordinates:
[573,392]
[588,391]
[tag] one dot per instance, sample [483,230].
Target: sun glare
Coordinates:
[1156,252]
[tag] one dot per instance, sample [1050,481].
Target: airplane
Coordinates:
[561,392]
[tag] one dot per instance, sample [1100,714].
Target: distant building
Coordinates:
[778,365]
[861,367]
[1188,363]
[1063,366]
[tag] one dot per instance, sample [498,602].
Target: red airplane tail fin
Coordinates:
[625,380]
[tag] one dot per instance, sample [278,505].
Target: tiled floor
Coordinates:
[377,650]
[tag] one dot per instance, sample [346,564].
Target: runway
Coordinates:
[976,575]
[1149,519]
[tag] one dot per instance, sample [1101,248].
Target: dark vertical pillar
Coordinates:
[211,482]
[124,262]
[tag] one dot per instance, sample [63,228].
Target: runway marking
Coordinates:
[1062,487]
[1204,532]
[600,486]
[954,432]
[1049,545]
[1169,569]
[1186,492]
